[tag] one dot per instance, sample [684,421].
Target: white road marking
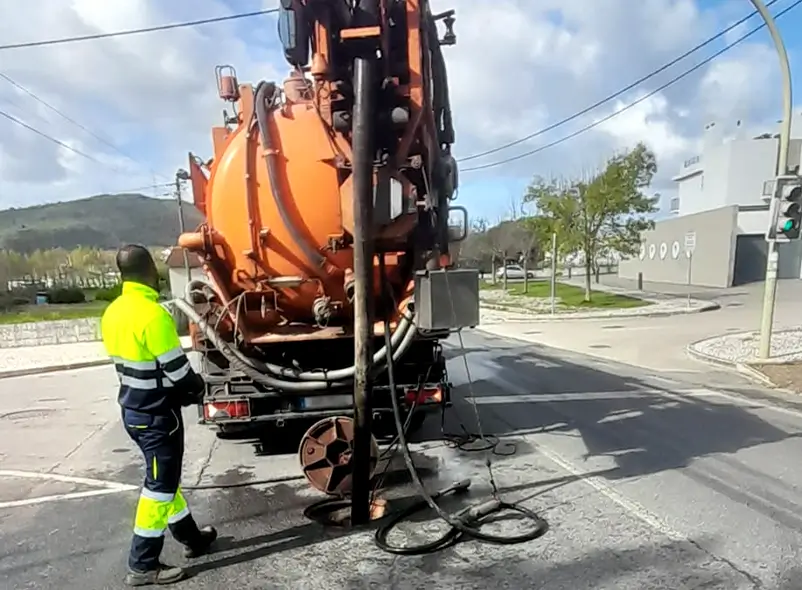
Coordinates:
[591,395]
[680,395]
[107,487]
[60,497]
[122,487]
[630,506]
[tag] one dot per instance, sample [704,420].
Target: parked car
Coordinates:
[514,271]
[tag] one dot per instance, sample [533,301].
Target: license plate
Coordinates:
[326,402]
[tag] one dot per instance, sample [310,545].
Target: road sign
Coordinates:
[690,242]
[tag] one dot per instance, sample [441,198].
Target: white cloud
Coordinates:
[518,66]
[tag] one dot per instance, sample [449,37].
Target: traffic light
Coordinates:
[788,213]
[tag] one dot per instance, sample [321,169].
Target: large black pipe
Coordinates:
[362,165]
[266,93]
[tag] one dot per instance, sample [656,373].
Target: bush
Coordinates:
[66,295]
[109,293]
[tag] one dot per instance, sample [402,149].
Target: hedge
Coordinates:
[66,295]
[109,293]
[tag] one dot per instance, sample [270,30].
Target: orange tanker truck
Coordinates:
[274,314]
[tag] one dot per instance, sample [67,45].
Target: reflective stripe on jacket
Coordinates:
[141,338]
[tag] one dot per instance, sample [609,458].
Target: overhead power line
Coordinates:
[615,95]
[632,104]
[74,122]
[128,32]
[13,119]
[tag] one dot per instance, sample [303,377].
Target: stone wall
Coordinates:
[43,333]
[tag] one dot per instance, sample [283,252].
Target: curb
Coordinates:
[59,368]
[708,358]
[744,368]
[532,317]
[53,368]
[775,360]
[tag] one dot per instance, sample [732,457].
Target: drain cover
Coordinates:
[598,346]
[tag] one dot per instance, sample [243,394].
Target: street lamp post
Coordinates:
[770,288]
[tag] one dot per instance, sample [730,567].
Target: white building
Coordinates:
[722,199]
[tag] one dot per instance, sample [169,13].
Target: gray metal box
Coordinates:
[447,299]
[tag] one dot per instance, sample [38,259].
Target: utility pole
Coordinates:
[553,272]
[362,165]
[180,176]
[772,258]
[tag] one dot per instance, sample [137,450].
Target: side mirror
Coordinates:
[457,224]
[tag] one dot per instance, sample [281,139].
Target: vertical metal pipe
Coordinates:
[362,166]
[772,258]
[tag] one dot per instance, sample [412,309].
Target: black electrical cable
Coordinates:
[464,523]
[630,105]
[153,29]
[243,484]
[615,95]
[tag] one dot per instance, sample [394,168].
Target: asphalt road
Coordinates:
[646,482]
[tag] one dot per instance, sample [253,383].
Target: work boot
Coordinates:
[163,574]
[208,535]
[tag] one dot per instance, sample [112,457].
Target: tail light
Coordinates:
[424,395]
[226,410]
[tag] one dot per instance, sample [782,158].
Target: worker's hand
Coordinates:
[191,399]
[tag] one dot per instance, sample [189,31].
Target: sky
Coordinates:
[137,105]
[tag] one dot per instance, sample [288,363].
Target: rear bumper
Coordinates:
[233,409]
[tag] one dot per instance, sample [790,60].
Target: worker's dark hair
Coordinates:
[136,264]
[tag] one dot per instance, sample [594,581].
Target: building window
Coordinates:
[673,205]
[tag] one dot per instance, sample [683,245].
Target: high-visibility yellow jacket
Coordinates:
[141,338]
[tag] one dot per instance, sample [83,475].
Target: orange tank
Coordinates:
[278,193]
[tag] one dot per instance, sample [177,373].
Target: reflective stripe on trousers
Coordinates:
[161,503]
[155,511]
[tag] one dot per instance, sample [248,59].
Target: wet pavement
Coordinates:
[646,482]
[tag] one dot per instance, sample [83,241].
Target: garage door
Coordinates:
[750,259]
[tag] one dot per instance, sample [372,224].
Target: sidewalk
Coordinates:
[498,307]
[15,362]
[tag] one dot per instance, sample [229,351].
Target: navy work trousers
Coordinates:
[161,504]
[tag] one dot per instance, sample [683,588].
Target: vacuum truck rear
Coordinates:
[273,315]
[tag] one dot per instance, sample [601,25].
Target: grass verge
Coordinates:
[569,295]
[47,313]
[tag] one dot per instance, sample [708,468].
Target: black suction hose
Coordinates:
[403,336]
[261,372]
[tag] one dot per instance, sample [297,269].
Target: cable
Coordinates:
[43,102]
[243,484]
[632,104]
[13,119]
[603,101]
[465,522]
[128,32]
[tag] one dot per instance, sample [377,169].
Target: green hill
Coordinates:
[102,221]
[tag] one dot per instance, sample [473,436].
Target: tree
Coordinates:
[605,211]
[476,249]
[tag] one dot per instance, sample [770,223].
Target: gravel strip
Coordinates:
[743,347]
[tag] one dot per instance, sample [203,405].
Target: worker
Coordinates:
[156,381]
